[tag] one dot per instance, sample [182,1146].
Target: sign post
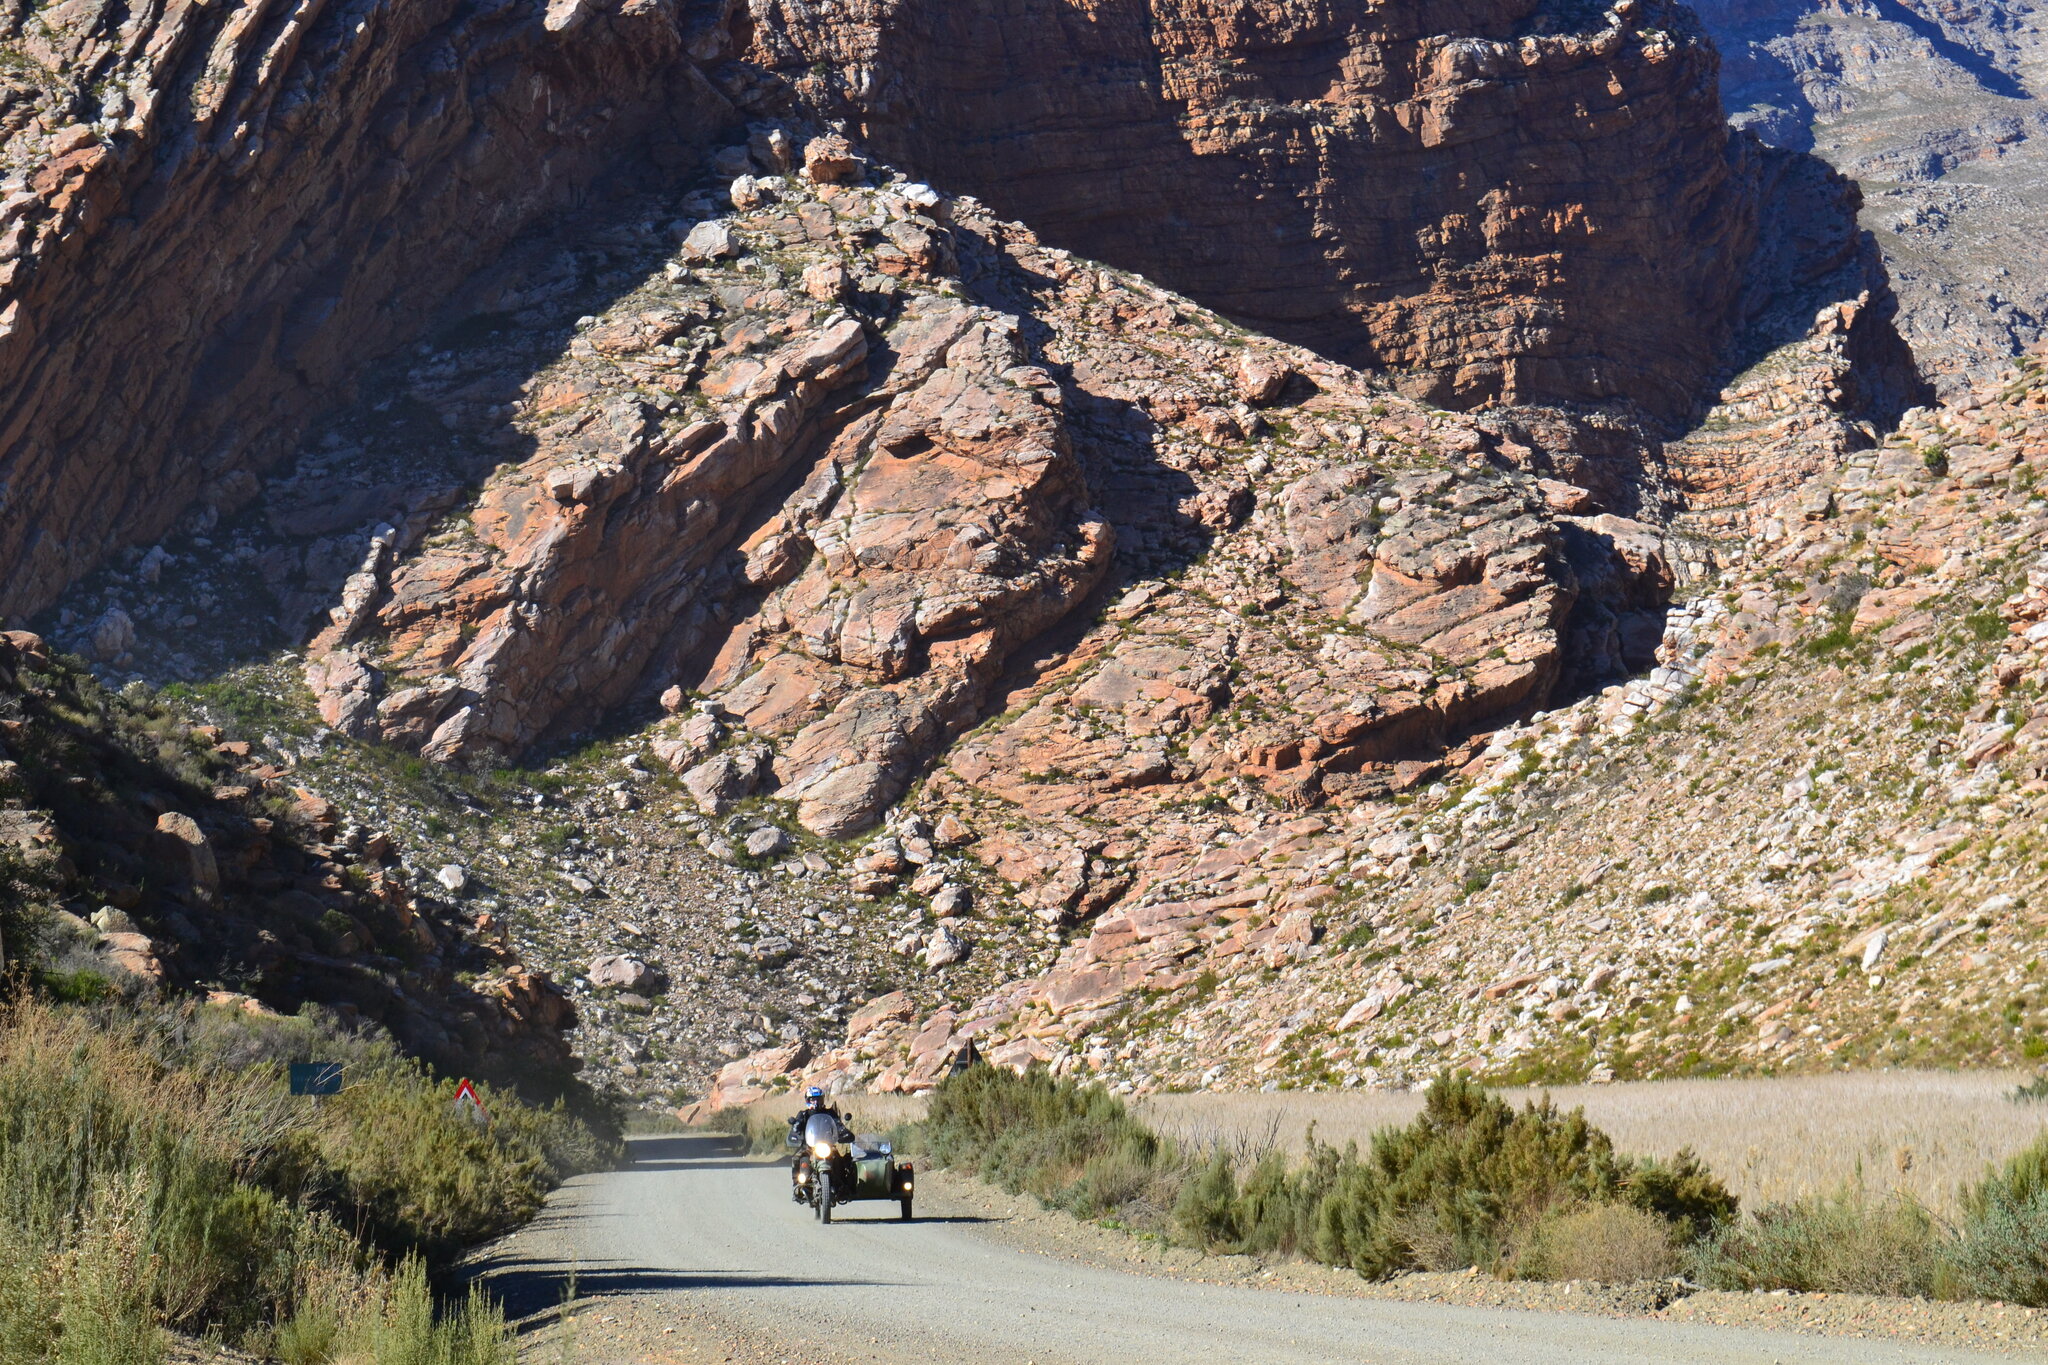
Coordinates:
[316,1079]
[468,1105]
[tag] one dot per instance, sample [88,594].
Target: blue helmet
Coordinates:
[814,1093]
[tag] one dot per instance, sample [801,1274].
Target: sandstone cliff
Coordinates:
[1517,201]
[1520,203]
[215,214]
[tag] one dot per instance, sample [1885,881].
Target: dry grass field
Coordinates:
[1925,1132]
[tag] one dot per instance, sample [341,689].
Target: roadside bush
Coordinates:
[1841,1243]
[1470,1180]
[1611,1243]
[1077,1147]
[2003,1250]
[149,1183]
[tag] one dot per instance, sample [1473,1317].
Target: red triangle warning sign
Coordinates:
[467,1104]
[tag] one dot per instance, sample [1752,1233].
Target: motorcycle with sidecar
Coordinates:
[832,1166]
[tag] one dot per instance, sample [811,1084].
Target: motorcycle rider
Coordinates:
[814,1103]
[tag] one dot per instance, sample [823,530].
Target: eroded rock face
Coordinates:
[200,252]
[838,523]
[842,521]
[1512,200]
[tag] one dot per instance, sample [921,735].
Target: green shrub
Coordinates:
[403,1329]
[1471,1178]
[2003,1251]
[1986,625]
[1841,1243]
[1073,1146]
[1468,1183]
[148,1183]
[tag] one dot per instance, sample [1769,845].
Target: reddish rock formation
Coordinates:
[839,524]
[219,212]
[1496,199]
[842,527]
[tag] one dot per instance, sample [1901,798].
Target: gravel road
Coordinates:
[688,1243]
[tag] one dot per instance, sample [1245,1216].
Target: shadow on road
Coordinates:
[692,1151]
[528,1287]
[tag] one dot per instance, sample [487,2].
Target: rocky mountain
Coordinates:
[804,514]
[1936,108]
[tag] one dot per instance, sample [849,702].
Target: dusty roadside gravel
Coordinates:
[692,1253]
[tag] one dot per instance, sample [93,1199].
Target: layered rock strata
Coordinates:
[1520,201]
[832,485]
[1842,756]
[1522,205]
[213,215]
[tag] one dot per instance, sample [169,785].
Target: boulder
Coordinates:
[112,635]
[893,1008]
[709,241]
[767,843]
[830,160]
[621,973]
[133,954]
[944,948]
[187,849]
[108,920]
[454,878]
[748,1079]
[717,783]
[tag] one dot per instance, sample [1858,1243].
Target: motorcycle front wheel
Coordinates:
[824,1196]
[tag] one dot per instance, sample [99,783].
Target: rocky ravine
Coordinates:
[952,613]
[910,435]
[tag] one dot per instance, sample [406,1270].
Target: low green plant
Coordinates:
[1611,1243]
[2002,1252]
[154,1173]
[1076,1147]
[1847,1242]
[1468,1183]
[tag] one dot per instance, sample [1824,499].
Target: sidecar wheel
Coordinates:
[906,1210]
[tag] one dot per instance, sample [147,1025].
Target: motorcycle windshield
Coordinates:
[822,1128]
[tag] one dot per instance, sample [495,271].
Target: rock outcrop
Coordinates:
[215,215]
[1825,879]
[1517,201]
[840,520]
[839,517]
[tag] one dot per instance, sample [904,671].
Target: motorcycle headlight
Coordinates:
[803,1177]
[822,1150]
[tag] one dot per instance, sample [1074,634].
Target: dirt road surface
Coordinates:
[691,1253]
